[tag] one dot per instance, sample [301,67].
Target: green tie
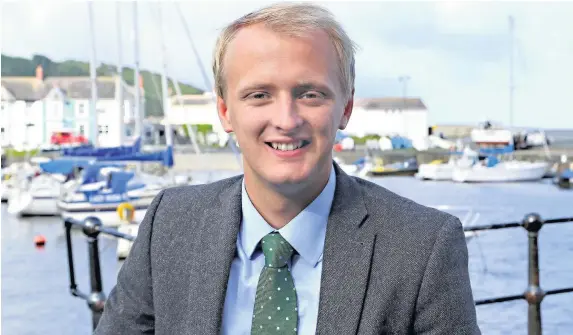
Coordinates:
[275,310]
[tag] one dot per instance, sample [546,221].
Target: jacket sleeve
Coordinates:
[445,302]
[129,307]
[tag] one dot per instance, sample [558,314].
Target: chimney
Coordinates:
[39,73]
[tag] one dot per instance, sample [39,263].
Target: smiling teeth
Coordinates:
[287,146]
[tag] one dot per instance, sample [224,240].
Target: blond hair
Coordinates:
[295,20]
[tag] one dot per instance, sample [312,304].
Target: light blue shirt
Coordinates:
[306,233]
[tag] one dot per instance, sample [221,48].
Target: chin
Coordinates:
[287,175]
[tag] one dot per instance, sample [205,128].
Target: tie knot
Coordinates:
[277,250]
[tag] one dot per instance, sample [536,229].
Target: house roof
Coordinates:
[25,88]
[391,103]
[32,89]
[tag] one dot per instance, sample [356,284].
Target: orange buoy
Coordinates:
[39,240]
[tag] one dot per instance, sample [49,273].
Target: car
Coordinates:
[67,138]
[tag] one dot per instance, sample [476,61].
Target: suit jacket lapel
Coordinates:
[347,258]
[214,251]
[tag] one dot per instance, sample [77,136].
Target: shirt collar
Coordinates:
[305,233]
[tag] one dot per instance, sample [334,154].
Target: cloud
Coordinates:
[456,53]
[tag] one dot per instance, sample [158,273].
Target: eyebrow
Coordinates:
[307,86]
[256,87]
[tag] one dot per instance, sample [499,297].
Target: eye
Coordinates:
[258,95]
[312,95]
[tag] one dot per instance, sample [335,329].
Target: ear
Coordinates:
[224,115]
[347,112]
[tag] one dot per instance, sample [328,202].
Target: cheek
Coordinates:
[325,125]
[247,124]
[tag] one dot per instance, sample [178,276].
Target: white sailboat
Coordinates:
[36,196]
[493,170]
[31,191]
[12,176]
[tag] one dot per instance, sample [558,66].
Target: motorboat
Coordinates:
[438,170]
[103,187]
[490,134]
[405,168]
[512,171]
[107,183]
[492,169]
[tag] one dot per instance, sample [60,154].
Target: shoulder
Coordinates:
[200,192]
[181,207]
[390,213]
[180,200]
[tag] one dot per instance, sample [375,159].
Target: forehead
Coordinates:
[259,53]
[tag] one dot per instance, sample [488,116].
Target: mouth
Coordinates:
[292,146]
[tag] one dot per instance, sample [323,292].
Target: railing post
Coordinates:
[534,294]
[96,299]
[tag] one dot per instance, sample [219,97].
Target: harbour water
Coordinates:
[36,300]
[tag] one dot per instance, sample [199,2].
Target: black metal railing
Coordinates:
[533,294]
[91,227]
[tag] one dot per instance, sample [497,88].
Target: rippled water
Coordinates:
[35,297]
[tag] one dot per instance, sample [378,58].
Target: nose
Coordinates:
[286,115]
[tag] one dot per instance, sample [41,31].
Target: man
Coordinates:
[295,246]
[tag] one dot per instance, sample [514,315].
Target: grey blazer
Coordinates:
[390,266]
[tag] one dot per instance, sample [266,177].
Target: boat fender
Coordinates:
[126,212]
[39,241]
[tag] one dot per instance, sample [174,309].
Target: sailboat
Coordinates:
[107,183]
[38,192]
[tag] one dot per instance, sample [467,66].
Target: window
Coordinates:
[82,130]
[2,130]
[103,129]
[81,109]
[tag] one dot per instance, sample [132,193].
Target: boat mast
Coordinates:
[137,114]
[94,129]
[119,85]
[511,73]
[164,86]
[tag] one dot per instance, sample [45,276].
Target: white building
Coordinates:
[196,109]
[406,117]
[33,108]
[382,116]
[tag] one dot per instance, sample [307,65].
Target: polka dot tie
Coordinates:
[275,310]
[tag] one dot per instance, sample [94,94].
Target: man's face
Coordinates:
[284,102]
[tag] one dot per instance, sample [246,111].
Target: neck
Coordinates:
[279,206]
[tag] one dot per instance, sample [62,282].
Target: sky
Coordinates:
[456,54]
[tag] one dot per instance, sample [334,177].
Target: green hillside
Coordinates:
[22,67]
